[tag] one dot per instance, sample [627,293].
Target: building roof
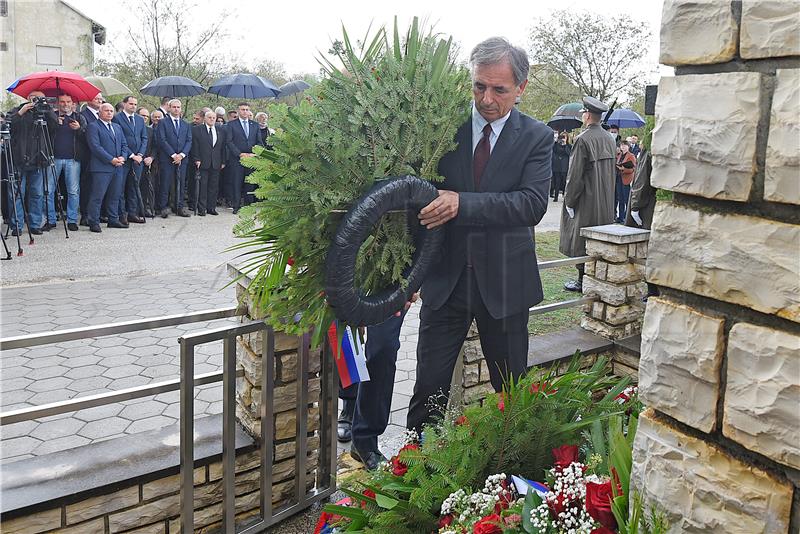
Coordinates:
[98,30]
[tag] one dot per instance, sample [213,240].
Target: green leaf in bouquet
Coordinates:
[350,512]
[384,501]
[532,501]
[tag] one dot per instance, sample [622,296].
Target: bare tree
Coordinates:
[601,57]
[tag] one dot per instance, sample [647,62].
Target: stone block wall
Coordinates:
[720,360]
[153,506]
[615,277]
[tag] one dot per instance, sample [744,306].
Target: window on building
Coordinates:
[48,55]
[3,46]
[3,8]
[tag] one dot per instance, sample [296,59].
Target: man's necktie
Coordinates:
[110,129]
[246,129]
[175,121]
[481,156]
[130,119]
[213,137]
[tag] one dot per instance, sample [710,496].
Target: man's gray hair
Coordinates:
[174,100]
[496,50]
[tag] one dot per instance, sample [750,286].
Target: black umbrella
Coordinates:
[244,86]
[566,117]
[172,86]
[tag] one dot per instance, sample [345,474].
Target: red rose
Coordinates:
[598,503]
[488,525]
[461,421]
[398,468]
[564,456]
[409,447]
[445,521]
[368,493]
[290,261]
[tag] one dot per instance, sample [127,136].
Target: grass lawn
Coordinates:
[553,286]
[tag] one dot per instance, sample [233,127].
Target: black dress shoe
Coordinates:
[201,213]
[136,219]
[183,212]
[84,221]
[235,211]
[103,219]
[95,228]
[164,213]
[45,227]
[344,429]
[72,227]
[123,219]
[371,460]
[148,213]
[573,285]
[36,231]
[117,224]
[15,232]
[212,212]
[50,226]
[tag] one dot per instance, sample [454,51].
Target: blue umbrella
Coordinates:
[625,118]
[172,86]
[244,86]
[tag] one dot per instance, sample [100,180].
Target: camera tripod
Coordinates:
[13,182]
[47,164]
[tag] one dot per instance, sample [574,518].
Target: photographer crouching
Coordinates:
[26,126]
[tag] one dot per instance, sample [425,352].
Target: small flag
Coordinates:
[523,485]
[351,360]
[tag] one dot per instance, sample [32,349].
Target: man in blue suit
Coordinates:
[174,137]
[243,135]
[91,114]
[131,207]
[109,151]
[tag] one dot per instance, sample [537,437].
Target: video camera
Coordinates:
[41,107]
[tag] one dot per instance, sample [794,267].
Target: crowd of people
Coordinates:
[118,165]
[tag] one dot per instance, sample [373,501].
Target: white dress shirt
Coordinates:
[478,122]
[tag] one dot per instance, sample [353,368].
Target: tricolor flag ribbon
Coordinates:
[523,485]
[350,357]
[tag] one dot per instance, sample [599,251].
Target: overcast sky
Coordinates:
[293,32]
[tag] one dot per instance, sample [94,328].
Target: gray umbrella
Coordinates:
[293,88]
[172,86]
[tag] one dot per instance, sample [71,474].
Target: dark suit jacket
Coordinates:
[136,135]
[237,142]
[202,151]
[89,116]
[104,147]
[493,229]
[169,142]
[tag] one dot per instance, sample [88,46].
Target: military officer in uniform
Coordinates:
[589,193]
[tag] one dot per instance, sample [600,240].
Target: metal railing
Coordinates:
[547,308]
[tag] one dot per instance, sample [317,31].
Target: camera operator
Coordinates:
[68,150]
[26,147]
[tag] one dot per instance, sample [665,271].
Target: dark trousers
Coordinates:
[621,194]
[442,333]
[557,183]
[209,182]
[131,200]
[237,175]
[171,175]
[85,189]
[105,184]
[372,400]
[148,188]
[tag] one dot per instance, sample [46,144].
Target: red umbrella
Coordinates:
[53,83]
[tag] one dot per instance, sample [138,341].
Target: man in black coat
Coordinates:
[208,152]
[561,152]
[494,191]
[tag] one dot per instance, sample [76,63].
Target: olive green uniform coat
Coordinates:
[590,188]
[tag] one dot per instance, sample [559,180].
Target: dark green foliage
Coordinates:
[392,109]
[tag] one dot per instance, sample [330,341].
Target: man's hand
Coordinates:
[247,154]
[441,210]
[570,212]
[75,125]
[178,159]
[25,108]
[197,164]
[414,298]
[137,158]
[148,160]
[635,216]
[118,161]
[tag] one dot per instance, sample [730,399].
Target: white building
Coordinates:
[37,35]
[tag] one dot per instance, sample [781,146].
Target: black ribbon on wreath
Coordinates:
[349,303]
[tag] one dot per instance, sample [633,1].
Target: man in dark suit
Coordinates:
[242,137]
[174,144]
[109,151]
[208,153]
[494,191]
[131,207]
[91,114]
